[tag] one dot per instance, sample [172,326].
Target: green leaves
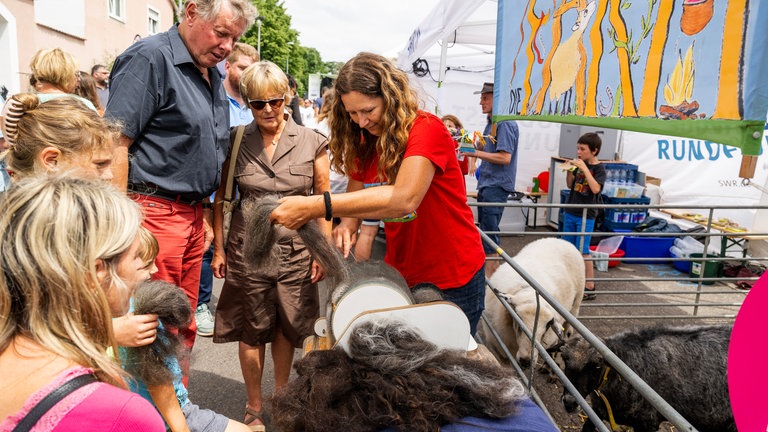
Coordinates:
[280,44]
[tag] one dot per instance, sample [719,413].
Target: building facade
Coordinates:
[93,31]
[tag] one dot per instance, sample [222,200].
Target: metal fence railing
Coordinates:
[639,288]
[711,294]
[616,363]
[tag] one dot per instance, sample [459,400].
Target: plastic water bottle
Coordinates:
[609,188]
[619,187]
[677,252]
[622,177]
[689,244]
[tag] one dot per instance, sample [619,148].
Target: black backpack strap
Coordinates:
[50,400]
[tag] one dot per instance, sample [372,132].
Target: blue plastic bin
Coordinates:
[683,266]
[647,247]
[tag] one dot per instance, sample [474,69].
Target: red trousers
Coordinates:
[179,230]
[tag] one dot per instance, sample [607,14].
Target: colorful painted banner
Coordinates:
[692,68]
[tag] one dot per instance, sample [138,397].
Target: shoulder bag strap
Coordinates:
[51,399]
[228,191]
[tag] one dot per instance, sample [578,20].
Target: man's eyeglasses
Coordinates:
[259,105]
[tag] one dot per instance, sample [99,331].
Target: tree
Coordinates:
[276,32]
[280,44]
[332,68]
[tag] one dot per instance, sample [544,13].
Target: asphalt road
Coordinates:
[215,380]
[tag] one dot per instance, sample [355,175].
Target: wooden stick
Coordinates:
[748,165]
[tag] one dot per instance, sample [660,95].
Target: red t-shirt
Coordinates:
[441,244]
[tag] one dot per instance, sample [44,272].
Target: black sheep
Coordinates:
[687,366]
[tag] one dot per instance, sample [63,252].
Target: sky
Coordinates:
[339,29]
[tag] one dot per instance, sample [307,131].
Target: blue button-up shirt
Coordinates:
[179,123]
[238,115]
[492,174]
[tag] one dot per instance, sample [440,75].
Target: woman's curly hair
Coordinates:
[392,379]
[352,147]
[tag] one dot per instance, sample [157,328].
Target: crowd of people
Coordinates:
[121,176]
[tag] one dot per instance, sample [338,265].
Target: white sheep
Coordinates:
[559,268]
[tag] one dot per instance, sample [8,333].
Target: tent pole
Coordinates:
[441,76]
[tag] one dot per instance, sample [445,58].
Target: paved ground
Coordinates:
[216,381]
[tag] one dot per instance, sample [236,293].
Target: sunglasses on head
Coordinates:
[260,104]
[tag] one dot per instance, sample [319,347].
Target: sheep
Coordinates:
[559,268]
[685,365]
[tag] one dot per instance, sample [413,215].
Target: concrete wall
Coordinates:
[83,28]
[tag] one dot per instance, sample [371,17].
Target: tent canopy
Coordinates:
[455,45]
[453,22]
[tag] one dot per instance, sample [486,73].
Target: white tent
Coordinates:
[454,48]
[448,22]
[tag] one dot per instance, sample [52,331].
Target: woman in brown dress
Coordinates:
[271,304]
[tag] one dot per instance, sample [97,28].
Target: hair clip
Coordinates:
[12,112]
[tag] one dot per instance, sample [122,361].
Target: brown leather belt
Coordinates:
[162,193]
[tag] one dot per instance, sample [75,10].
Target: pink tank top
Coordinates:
[110,408]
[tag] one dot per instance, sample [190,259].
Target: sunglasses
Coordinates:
[259,105]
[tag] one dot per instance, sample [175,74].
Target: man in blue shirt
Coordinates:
[497,171]
[169,97]
[242,56]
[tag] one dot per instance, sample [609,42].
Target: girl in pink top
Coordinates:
[72,265]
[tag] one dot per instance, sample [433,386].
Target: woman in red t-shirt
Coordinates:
[378,132]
